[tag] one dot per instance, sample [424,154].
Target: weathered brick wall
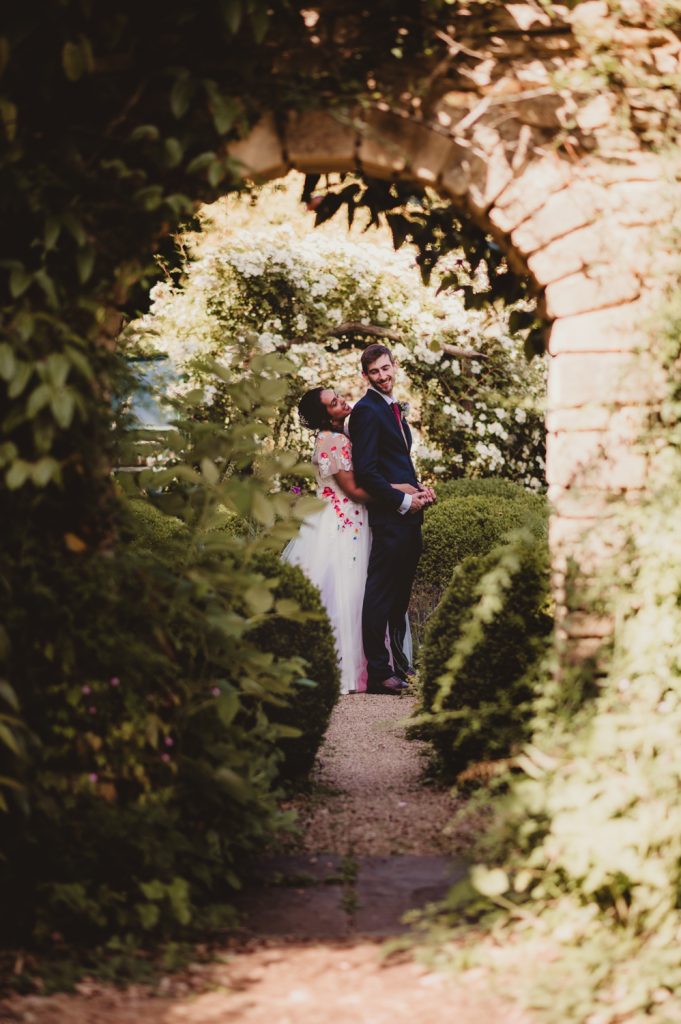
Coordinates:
[574,197]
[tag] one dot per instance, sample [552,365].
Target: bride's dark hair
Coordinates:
[312,411]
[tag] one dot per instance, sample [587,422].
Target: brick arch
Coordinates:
[582,229]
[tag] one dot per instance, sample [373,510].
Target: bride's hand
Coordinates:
[406,488]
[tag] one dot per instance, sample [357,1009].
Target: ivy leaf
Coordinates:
[37,400]
[180,95]
[63,407]
[44,470]
[448,281]
[309,185]
[145,133]
[232,12]
[75,227]
[19,281]
[47,285]
[8,695]
[328,206]
[7,361]
[77,59]
[173,152]
[8,117]
[534,344]
[210,471]
[519,320]
[260,21]
[200,162]
[489,882]
[85,261]
[9,739]
[21,377]
[216,172]
[51,232]
[400,228]
[17,475]
[261,509]
[259,599]
[24,324]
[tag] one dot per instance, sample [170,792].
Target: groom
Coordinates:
[381,442]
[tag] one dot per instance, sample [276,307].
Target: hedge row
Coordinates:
[470,518]
[484,714]
[486,541]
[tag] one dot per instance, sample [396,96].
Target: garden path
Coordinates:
[372,845]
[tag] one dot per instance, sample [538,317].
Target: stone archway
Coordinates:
[575,202]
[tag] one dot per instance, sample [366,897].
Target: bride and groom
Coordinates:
[363,548]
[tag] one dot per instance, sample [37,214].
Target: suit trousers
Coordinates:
[395,551]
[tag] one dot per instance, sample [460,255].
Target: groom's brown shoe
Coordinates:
[392,686]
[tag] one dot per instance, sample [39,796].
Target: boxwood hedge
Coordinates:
[486,707]
[311,638]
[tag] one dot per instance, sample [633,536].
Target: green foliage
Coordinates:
[487,487]
[586,851]
[309,708]
[256,279]
[469,525]
[481,645]
[152,742]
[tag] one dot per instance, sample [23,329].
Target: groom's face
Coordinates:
[382,374]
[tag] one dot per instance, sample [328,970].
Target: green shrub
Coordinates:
[471,525]
[309,708]
[480,647]
[151,754]
[486,486]
[461,526]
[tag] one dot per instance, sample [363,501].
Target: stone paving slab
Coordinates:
[387,887]
[314,912]
[329,897]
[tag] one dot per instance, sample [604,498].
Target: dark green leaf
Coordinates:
[19,281]
[85,261]
[232,11]
[180,95]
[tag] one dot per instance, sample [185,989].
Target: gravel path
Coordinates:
[369,796]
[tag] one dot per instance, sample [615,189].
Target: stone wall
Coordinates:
[571,192]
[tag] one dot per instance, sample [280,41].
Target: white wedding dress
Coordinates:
[332,549]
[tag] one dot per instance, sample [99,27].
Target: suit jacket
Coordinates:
[380,457]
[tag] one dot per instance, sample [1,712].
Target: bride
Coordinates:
[333,545]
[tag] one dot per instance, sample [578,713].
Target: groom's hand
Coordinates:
[418,502]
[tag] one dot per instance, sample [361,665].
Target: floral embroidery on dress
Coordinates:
[333,453]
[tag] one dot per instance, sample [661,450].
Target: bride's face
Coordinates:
[336,406]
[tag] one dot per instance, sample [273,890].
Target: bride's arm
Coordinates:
[345,478]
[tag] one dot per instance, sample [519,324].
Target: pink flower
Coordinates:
[115,681]
[93,777]
[216,691]
[169,741]
[295,490]
[86,689]
[92,709]
[165,758]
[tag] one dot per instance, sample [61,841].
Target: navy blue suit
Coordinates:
[380,458]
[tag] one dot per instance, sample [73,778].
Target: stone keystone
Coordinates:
[392,145]
[261,154]
[318,142]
